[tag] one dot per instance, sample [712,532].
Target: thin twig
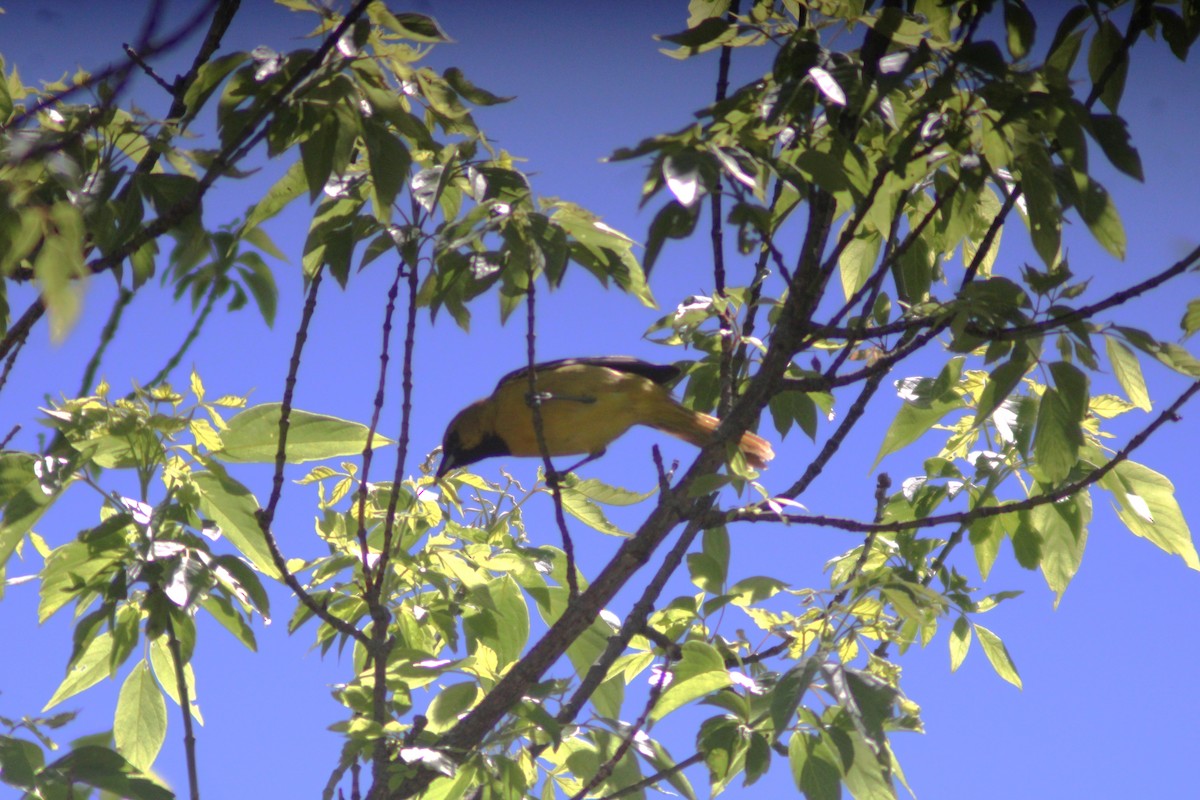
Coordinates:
[254,131]
[106,336]
[1063,492]
[717,236]
[646,783]
[146,68]
[369,447]
[373,588]
[11,361]
[630,735]
[210,302]
[635,623]
[185,706]
[266,516]
[4,442]
[406,394]
[534,400]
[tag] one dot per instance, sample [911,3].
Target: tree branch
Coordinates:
[756,514]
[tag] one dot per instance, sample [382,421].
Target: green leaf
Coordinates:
[223,612]
[1174,356]
[500,619]
[317,152]
[1063,530]
[824,170]
[1059,434]
[290,186]
[1128,372]
[22,498]
[20,760]
[253,436]
[583,509]
[59,267]
[389,162]
[722,746]
[707,34]
[1106,50]
[1020,27]
[797,407]
[1097,209]
[998,655]
[1146,504]
[754,590]
[105,769]
[235,510]
[1065,45]
[866,778]
[140,725]
[814,770]
[451,701]
[245,580]
[715,545]
[1191,319]
[700,672]
[1026,541]
[788,692]
[1175,30]
[469,91]
[913,421]
[163,666]
[960,642]
[987,534]
[90,668]
[857,261]
[603,251]
[1001,383]
[673,221]
[705,572]
[758,758]
[413,26]
[1044,213]
[1111,132]
[260,280]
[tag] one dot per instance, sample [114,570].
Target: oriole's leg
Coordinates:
[554,477]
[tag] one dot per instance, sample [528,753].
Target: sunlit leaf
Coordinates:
[235,510]
[960,642]
[1063,529]
[140,726]
[253,436]
[814,770]
[828,86]
[1156,515]
[997,655]
[90,668]
[699,672]
[1128,372]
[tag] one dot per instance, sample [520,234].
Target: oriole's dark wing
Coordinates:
[658,373]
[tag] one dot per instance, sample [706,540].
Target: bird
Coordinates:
[585,404]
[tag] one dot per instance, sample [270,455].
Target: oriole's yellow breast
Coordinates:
[584,408]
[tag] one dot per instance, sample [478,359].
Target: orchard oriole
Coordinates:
[585,404]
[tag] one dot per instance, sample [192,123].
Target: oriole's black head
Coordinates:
[470,437]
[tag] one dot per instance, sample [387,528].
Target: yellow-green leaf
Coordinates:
[998,655]
[140,724]
[960,642]
[1146,504]
[253,436]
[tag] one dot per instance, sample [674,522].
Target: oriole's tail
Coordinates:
[697,428]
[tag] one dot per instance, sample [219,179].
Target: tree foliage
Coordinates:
[864,189]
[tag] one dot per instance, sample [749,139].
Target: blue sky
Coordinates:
[1109,698]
